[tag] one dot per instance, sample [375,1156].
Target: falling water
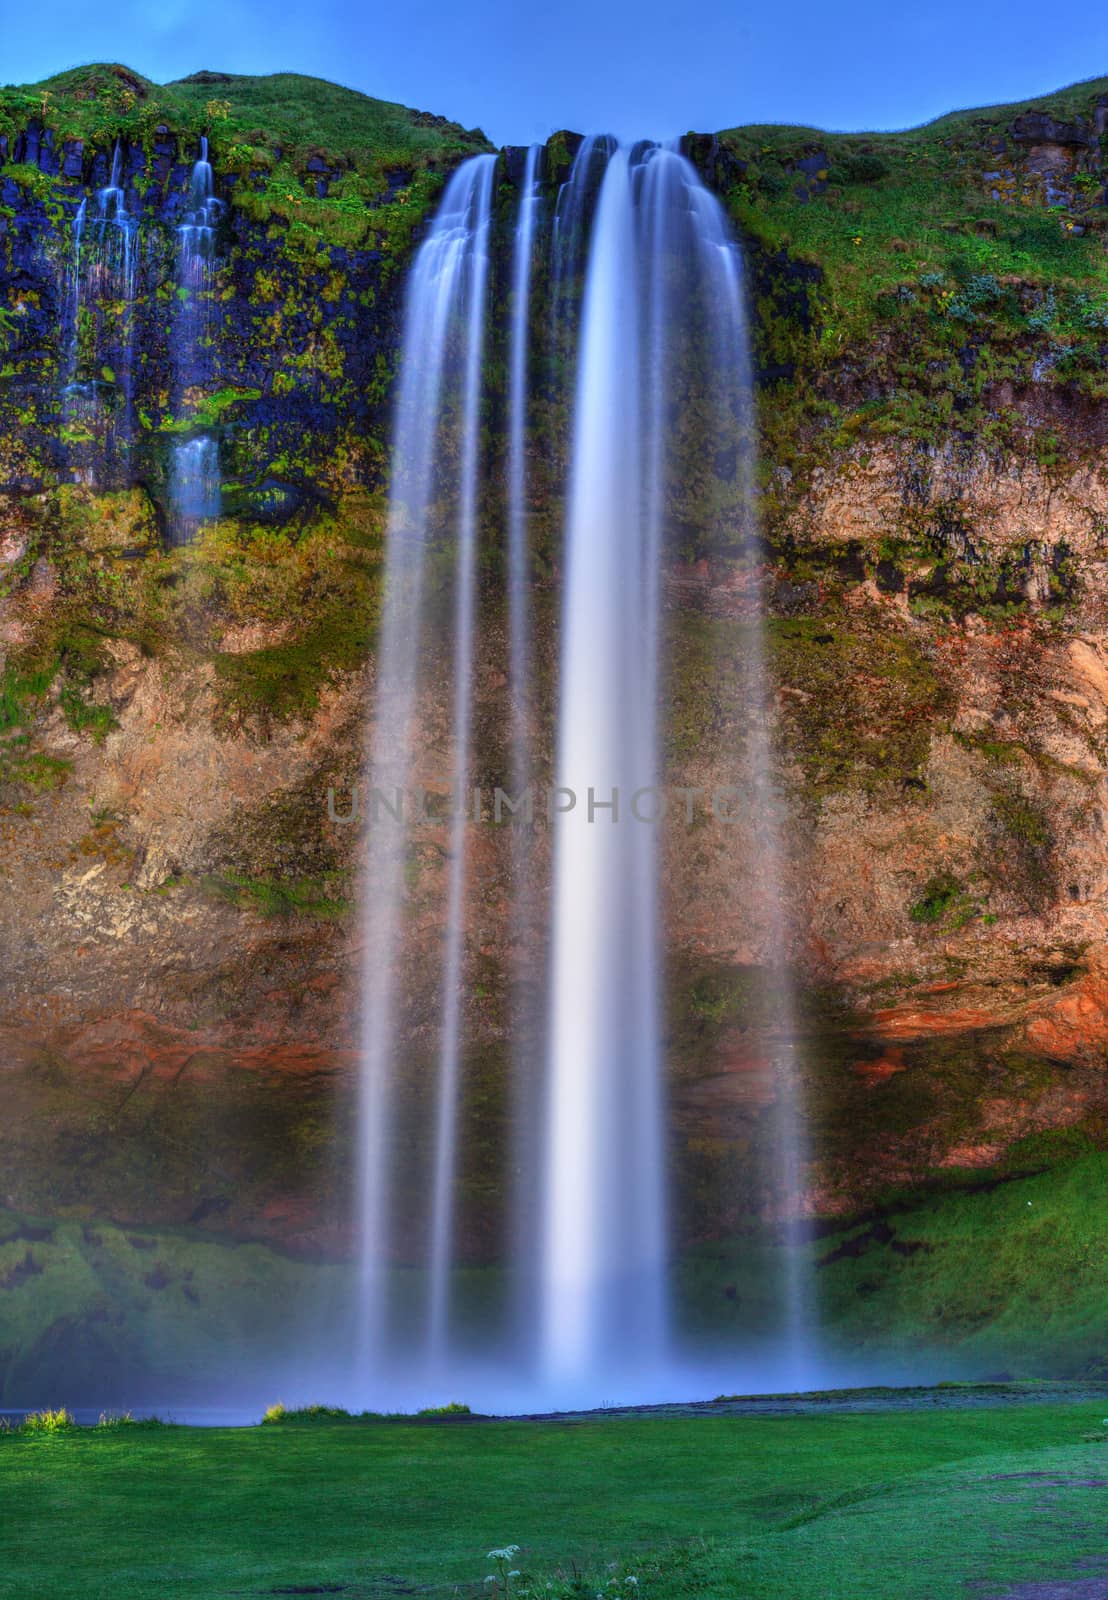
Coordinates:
[518,554]
[526,1063]
[572,214]
[661,385]
[195,495]
[72,396]
[195,252]
[103,263]
[604,1246]
[446,1131]
[663,338]
[194,485]
[197,232]
[73,294]
[115,231]
[442,349]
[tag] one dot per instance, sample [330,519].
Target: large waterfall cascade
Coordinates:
[645,298]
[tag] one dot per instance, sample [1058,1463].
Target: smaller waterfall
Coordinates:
[518,555]
[194,486]
[196,237]
[73,294]
[98,409]
[197,232]
[115,230]
[75,399]
[573,210]
[194,473]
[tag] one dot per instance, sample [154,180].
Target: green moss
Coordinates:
[860,707]
[85,717]
[1018,853]
[210,411]
[38,771]
[940,895]
[323,899]
[928,1278]
[285,681]
[1022,819]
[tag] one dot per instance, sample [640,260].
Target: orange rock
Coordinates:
[918,1022]
[1077,1019]
[886,1066]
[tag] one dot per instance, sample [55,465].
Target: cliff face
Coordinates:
[178,1012]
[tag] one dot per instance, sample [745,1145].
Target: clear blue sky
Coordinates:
[633,67]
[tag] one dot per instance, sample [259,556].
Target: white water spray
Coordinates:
[441,350]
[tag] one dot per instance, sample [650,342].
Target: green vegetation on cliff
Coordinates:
[283,119]
[929,268]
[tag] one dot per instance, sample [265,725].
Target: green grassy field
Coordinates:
[916,1504]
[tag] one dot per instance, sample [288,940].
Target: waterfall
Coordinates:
[197,232]
[103,267]
[604,1244]
[115,230]
[526,1076]
[194,484]
[71,332]
[446,1130]
[440,371]
[194,490]
[572,214]
[651,365]
[518,553]
[195,251]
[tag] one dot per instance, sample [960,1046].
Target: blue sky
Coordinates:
[633,67]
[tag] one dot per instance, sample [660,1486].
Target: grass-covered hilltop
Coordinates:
[180,688]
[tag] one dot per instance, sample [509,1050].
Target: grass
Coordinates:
[917,1505]
[889,207]
[933,260]
[283,112]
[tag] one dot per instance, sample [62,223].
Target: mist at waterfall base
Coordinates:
[643,276]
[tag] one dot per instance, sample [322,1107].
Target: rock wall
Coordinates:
[180,950]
